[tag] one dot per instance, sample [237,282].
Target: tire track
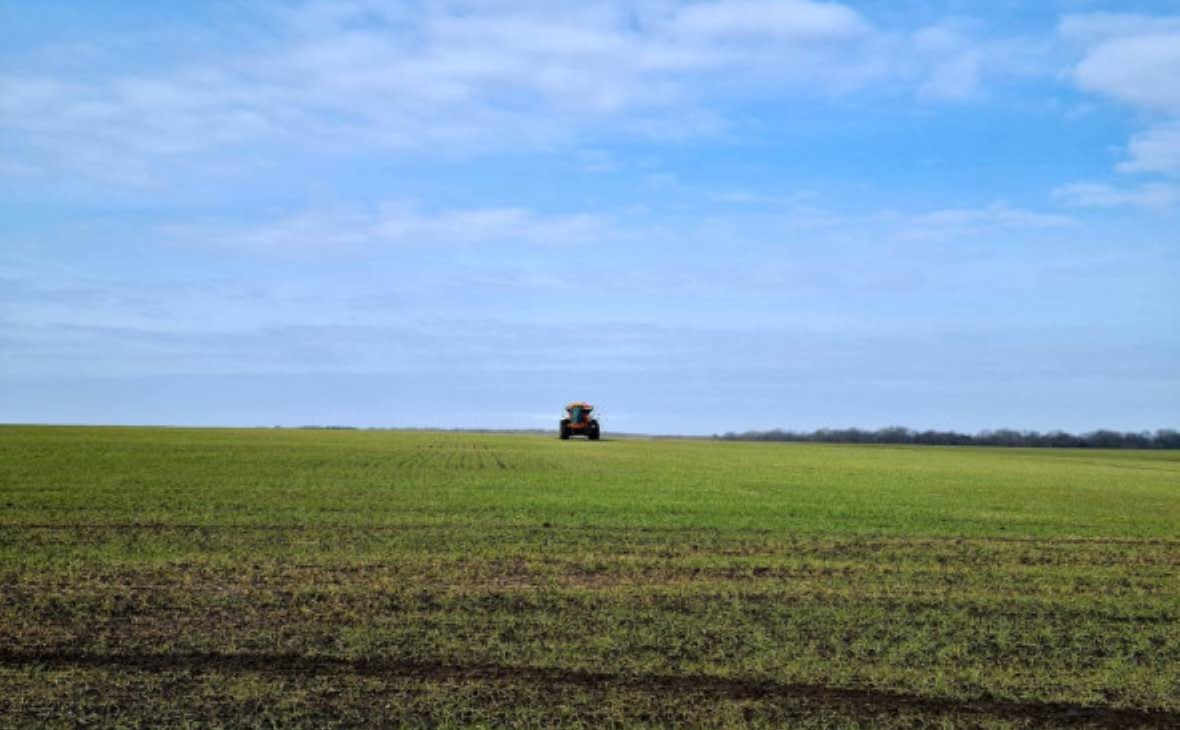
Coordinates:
[860,700]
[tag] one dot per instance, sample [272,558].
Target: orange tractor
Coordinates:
[578,422]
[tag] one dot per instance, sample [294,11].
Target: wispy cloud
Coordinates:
[956,63]
[393,224]
[1095,195]
[784,20]
[1156,149]
[963,222]
[452,77]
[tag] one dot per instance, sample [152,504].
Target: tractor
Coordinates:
[578,422]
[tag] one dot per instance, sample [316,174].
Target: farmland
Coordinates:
[314,578]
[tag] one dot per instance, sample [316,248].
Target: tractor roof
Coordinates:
[579,404]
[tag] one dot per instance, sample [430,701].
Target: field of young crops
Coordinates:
[164,577]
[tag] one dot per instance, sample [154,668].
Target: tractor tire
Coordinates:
[593,432]
[564,433]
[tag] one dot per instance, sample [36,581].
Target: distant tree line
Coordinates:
[1101,439]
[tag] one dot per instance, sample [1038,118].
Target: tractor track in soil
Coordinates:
[863,701]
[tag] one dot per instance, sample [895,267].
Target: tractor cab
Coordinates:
[579,412]
[579,422]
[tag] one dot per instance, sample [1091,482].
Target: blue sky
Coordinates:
[702,216]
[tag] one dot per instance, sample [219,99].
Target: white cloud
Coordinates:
[1141,70]
[1095,195]
[453,77]
[1155,150]
[1134,59]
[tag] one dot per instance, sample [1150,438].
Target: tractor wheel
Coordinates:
[593,431]
[565,431]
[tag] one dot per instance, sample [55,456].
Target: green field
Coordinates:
[169,577]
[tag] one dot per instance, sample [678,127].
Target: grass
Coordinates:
[282,578]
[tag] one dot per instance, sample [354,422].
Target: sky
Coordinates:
[700,216]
